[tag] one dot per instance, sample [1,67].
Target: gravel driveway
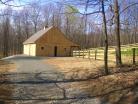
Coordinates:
[35,82]
[28,64]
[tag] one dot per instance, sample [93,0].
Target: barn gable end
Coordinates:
[55,36]
[49,42]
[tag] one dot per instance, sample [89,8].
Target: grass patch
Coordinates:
[129,52]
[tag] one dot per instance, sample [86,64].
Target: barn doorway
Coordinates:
[55,51]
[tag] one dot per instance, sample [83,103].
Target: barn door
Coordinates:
[55,51]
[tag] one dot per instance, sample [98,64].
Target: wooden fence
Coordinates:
[129,55]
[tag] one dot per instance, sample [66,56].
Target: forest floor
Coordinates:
[34,80]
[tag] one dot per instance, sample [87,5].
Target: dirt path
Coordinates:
[36,82]
[26,64]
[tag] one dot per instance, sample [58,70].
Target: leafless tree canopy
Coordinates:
[80,20]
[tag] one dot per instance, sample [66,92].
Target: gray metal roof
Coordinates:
[37,35]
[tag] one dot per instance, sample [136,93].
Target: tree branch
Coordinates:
[82,13]
[5,3]
[128,7]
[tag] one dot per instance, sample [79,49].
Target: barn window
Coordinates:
[42,48]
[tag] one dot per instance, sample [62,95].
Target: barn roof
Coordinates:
[37,35]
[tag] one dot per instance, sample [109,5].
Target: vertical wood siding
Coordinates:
[45,45]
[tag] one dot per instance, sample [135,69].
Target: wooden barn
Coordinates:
[49,42]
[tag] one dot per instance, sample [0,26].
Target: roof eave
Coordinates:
[28,43]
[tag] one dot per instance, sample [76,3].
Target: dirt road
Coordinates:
[36,82]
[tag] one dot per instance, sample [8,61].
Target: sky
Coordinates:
[21,3]
[26,2]
[81,9]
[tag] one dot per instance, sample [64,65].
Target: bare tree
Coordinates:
[25,22]
[117,32]
[85,27]
[106,38]
[5,37]
[35,14]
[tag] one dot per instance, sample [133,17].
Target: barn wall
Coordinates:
[26,49]
[53,38]
[45,45]
[30,49]
[63,50]
[48,50]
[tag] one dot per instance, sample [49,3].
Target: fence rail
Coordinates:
[129,55]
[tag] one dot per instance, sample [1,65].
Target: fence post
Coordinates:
[89,54]
[74,54]
[96,54]
[83,53]
[116,60]
[134,58]
[79,53]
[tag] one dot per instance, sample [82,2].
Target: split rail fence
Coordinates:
[129,54]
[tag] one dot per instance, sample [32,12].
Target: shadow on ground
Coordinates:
[45,87]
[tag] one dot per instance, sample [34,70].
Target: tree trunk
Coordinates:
[106,39]
[6,38]
[117,31]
